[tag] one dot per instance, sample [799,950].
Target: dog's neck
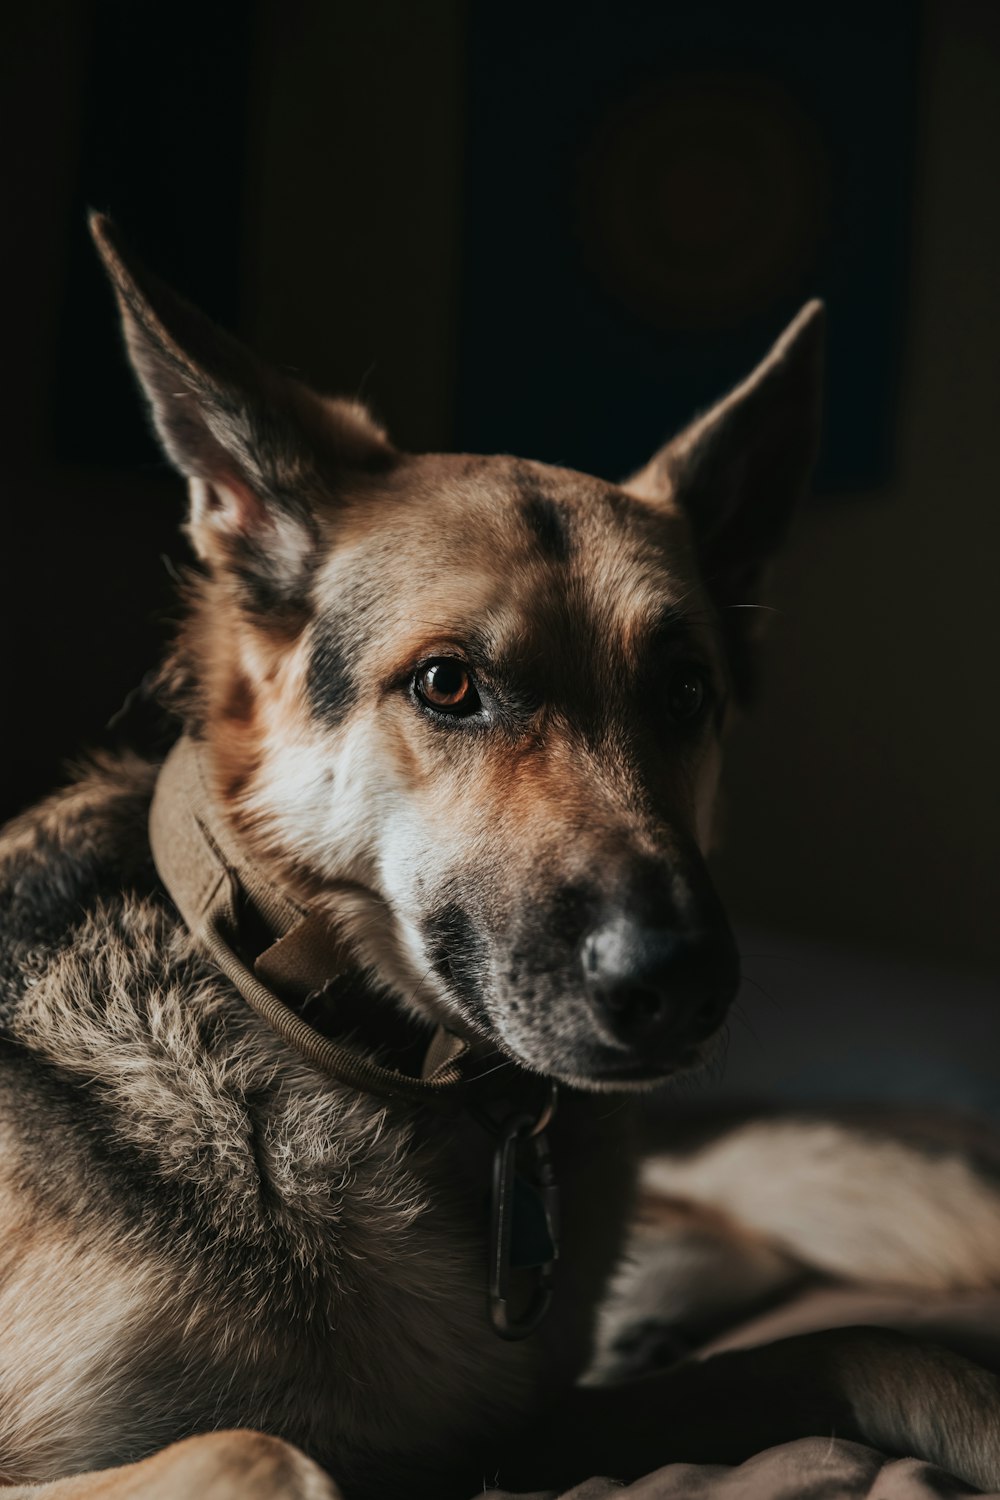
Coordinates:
[273,948]
[287,950]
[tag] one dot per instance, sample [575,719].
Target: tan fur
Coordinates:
[849,1202]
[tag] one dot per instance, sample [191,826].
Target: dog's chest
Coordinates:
[404,1305]
[279,1255]
[412,1315]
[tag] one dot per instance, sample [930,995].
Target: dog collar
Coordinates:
[211,881]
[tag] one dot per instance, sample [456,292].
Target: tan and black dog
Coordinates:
[463,715]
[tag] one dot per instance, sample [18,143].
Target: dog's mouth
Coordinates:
[642,1074]
[640,1071]
[569,1045]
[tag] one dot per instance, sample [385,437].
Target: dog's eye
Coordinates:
[447,687]
[687,693]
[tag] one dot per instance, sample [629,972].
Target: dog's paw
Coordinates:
[238,1465]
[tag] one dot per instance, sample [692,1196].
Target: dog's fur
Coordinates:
[201,1232]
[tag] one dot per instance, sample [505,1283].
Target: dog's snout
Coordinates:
[654,987]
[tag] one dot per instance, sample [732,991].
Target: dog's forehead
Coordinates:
[562,588]
[450,542]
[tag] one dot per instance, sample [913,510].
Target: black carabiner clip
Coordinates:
[538,1201]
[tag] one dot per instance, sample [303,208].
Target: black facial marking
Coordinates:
[549,929]
[549,523]
[328,681]
[458,954]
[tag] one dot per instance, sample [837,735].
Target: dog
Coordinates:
[283,1021]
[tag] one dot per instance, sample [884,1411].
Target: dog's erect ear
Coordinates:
[738,470]
[257,447]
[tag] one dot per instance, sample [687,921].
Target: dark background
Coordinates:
[559,230]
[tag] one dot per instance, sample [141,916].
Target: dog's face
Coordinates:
[473,706]
[511,694]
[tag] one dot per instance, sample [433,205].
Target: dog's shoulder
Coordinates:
[84,845]
[217,1228]
[107,1002]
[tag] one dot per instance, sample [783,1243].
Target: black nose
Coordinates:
[658,987]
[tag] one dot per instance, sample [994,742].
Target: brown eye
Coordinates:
[447,687]
[687,691]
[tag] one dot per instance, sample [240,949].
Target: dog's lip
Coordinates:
[639,1069]
[635,1071]
[602,1067]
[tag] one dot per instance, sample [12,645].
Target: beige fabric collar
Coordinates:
[207,875]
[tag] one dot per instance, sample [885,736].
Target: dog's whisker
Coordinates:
[739,1014]
[505,1063]
[778,1004]
[171,569]
[419,984]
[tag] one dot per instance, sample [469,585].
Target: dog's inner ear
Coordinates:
[738,470]
[259,450]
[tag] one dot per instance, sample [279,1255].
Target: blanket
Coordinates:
[822,1467]
[809,1469]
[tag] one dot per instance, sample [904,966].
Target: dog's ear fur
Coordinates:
[738,470]
[257,447]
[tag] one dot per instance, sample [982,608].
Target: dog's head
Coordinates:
[473,705]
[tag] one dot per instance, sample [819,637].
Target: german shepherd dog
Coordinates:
[461,716]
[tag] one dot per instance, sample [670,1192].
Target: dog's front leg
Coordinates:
[239,1465]
[867,1384]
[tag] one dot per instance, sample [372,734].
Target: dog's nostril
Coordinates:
[633,1014]
[709,1013]
[633,1000]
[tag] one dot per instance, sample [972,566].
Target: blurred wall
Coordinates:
[353,202]
[863,799]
